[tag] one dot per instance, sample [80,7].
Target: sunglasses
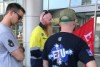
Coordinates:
[19,17]
[46,12]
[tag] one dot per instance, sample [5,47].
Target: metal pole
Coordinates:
[69,3]
[48,5]
[95,18]
[95,11]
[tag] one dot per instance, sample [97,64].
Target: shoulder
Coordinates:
[65,37]
[37,29]
[4,29]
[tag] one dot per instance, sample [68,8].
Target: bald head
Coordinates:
[46,18]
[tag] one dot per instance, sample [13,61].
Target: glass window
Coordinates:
[45,4]
[1,0]
[86,2]
[74,4]
[55,4]
[56,29]
[6,2]
[1,8]
[83,2]
[93,2]
[20,2]
[9,0]
[98,1]
[97,33]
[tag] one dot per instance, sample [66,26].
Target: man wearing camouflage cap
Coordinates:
[64,49]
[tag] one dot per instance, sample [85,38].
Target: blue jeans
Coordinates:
[36,63]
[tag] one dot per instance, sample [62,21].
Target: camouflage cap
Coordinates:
[64,15]
[70,13]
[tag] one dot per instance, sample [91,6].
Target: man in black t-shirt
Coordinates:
[64,49]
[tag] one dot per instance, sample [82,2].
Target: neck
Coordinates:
[6,22]
[66,29]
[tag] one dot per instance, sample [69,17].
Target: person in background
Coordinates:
[64,49]
[19,36]
[11,54]
[38,37]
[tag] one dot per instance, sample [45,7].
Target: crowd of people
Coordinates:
[62,49]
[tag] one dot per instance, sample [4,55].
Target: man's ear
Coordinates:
[10,13]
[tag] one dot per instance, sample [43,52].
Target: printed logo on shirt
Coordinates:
[59,54]
[59,38]
[42,34]
[10,43]
[89,52]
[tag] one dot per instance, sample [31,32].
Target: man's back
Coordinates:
[65,50]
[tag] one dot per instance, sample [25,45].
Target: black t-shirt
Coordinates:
[65,50]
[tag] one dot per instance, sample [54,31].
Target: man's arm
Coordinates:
[18,54]
[11,44]
[45,63]
[91,64]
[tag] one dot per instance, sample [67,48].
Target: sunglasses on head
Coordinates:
[19,17]
[46,12]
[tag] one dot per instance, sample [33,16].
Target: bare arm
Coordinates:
[91,64]
[45,63]
[18,54]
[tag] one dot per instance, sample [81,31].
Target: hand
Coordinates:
[22,48]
